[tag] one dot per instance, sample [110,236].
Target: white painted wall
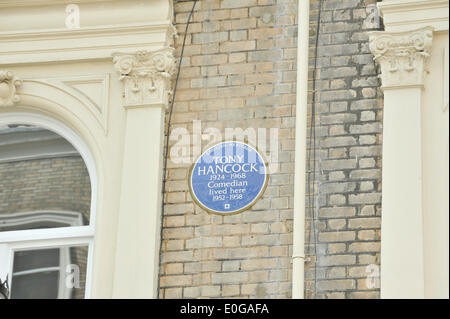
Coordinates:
[69,76]
[415,205]
[435,139]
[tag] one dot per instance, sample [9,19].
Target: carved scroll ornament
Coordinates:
[147,76]
[8,88]
[402,56]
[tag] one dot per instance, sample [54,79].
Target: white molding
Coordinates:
[4,265]
[99,107]
[100,42]
[403,56]
[29,3]
[69,234]
[403,15]
[50,242]
[102,30]
[61,89]
[445,79]
[8,88]
[147,77]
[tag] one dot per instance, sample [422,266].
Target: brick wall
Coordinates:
[346,198]
[45,184]
[239,70]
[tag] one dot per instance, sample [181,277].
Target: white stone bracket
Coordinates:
[8,88]
[147,77]
[402,56]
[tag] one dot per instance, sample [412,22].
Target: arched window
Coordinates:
[47,188]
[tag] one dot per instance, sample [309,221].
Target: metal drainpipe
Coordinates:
[298,255]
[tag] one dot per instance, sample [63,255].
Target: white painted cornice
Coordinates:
[402,56]
[146,76]
[31,3]
[102,30]
[82,44]
[403,15]
[34,31]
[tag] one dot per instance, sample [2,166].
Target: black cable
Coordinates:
[166,150]
[312,146]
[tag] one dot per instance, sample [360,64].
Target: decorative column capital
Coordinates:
[403,56]
[146,76]
[8,88]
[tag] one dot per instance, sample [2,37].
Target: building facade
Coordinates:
[106,104]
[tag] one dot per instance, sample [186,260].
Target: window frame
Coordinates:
[69,219]
[11,241]
[8,249]
[63,260]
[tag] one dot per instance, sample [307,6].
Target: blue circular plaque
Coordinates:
[228,178]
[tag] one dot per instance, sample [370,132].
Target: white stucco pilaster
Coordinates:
[146,78]
[402,57]
[409,55]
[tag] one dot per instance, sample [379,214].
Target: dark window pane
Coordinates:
[33,259]
[67,281]
[43,285]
